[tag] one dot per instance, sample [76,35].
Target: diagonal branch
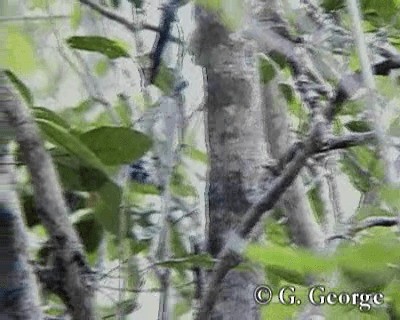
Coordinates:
[77,293]
[230,257]
[121,20]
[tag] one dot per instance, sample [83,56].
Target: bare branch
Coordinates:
[371,222]
[31,18]
[121,20]
[365,224]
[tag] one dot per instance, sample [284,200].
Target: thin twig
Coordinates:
[31,18]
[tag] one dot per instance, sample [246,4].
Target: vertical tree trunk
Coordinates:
[237,150]
[18,287]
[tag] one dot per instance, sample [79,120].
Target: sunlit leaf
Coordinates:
[110,48]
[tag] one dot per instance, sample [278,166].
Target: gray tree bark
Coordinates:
[18,287]
[236,149]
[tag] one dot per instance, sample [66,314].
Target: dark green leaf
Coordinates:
[61,137]
[266,68]
[287,275]
[31,217]
[116,145]
[179,184]
[107,207]
[316,202]
[287,91]
[358,126]
[110,48]
[21,87]
[75,175]
[332,5]
[90,231]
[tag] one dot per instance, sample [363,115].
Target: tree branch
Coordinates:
[365,224]
[69,258]
[121,20]
[371,222]
[230,258]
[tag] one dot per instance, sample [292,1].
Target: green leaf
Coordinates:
[76,175]
[179,184]
[298,260]
[351,107]
[390,196]
[49,115]
[107,207]
[62,138]
[387,87]
[287,275]
[316,202]
[277,311]
[110,48]
[181,308]
[358,126]
[369,211]
[165,79]
[287,91]
[392,298]
[276,233]
[124,111]
[116,145]
[367,281]
[30,212]
[144,188]
[90,231]
[177,244]
[196,154]
[266,68]
[375,254]
[21,87]
[361,164]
